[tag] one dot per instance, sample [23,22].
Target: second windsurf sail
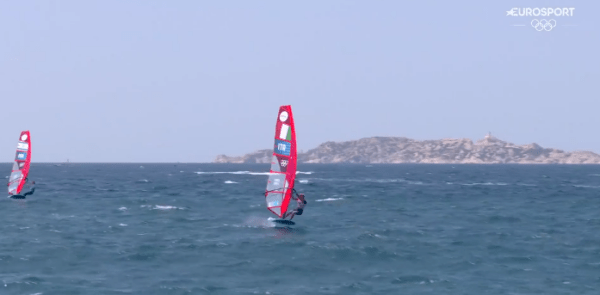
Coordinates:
[20,169]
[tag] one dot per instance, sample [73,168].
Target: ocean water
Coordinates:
[367,229]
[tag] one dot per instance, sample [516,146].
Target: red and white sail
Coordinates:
[283,163]
[20,169]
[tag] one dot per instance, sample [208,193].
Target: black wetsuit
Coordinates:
[301,205]
[299,209]
[29,192]
[24,195]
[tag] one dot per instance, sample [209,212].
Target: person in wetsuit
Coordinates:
[300,209]
[30,192]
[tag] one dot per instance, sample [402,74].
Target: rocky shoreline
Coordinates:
[392,150]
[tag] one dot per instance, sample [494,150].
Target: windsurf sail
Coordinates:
[283,163]
[20,169]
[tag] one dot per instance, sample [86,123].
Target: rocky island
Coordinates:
[389,150]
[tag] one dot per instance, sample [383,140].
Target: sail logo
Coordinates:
[21,156]
[22,146]
[285,132]
[283,116]
[282,147]
[279,164]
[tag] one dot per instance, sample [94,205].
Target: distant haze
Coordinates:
[169,81]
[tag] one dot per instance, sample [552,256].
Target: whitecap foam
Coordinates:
[229,181]
[378,180]
[303,181]
[254,221]
[484,183]
[159,207]
[246,172]
[260,173]
[59,216]
[122,224]
[586,186]
[123,208]
[384,180]
[234,172]
[329,199]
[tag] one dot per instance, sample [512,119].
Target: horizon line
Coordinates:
[405,163]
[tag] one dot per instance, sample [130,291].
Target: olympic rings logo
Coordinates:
[543,25]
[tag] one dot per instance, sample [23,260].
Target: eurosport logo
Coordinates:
[541,11]
[547,23]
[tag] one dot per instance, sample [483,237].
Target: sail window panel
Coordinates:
[276,182]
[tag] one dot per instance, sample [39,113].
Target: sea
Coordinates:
[367,229]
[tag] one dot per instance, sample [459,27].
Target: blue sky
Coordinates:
[168,81]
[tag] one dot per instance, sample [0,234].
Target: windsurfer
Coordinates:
[300,209]
[30,192]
